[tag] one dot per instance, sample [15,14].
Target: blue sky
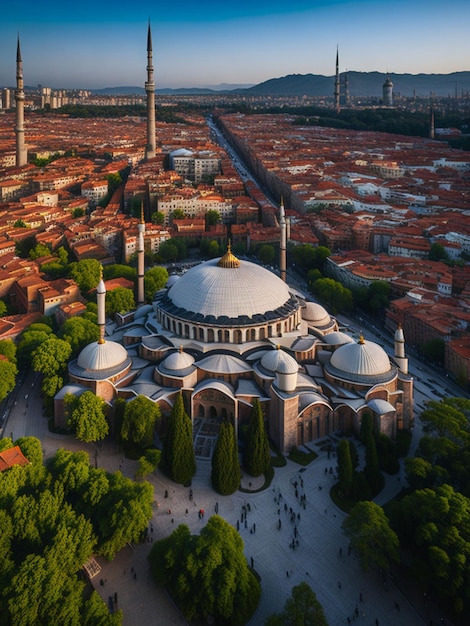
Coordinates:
[89,44]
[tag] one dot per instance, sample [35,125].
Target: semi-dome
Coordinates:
[337,338]
[102,355]
[363,358]
[315,314]
[279,361]
[229,289]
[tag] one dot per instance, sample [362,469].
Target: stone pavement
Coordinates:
[320,558]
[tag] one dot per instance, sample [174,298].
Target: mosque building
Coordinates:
[228,332]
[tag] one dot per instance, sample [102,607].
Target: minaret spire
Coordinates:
[140,258]
[21,153]
[101,303]
[150,148]
[282,245]
[337,83]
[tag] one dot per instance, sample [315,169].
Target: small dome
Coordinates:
[278,361]
[178,361]
[364,358]
[98,356]
[315,314]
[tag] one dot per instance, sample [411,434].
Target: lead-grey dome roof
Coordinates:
[364,358]
[244,290]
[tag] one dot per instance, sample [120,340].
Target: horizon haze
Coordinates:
[98,46]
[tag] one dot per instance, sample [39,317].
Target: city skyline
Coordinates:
[207,45]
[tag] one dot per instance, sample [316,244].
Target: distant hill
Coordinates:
[366,84]
[359,84]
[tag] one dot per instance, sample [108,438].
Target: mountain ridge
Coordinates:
[360,84]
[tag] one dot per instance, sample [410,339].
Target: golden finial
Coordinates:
[361,339]
[228,259]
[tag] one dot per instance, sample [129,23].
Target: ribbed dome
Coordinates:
[98,356]
[364,358]
[178,361]
[315,314]
[172,280]
[280,362]
[244,290]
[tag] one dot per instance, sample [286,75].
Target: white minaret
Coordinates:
[283,241]
[399,357]
[140,258]
[21,153]
[101,302]
[150,148]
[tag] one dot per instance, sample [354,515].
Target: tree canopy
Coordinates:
[207,574]
[140,415]
[79,332]
[226,472]
[86,273]
[155,279]
[119,300]
[301,609]
[87,416]
[371,536]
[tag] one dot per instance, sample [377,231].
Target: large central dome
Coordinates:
[228,289]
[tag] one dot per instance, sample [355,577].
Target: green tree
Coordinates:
[266,254]
[178,459]
[117,270]
[212,218]
[333,295]
[372,470]
[207,574]
[226,473]
[20,224]
[154,280]
[177,214]
[32,337]
[301,609]
[119,300]
[257,458]
[78,212]
[87,416]
[168,252]
[437,252]
[434,526]
[148,463]
[345,468]
[140,415]
[79,332]
[378,295]
[3,308]
[50,359]
[39,250]
[371,537]
[8,372]
[86,273]
[158,218]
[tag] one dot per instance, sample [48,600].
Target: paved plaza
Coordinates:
[292,534]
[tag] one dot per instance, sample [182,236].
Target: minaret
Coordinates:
[337,83]
[387,92]
[21,153]
[101,302]
[140,258]
[399,356]
[431,123]
[282,245]
[150,90]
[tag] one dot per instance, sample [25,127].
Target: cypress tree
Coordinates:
[257,457]
[178,459]
[345,468]
[225,466]
[372,470]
